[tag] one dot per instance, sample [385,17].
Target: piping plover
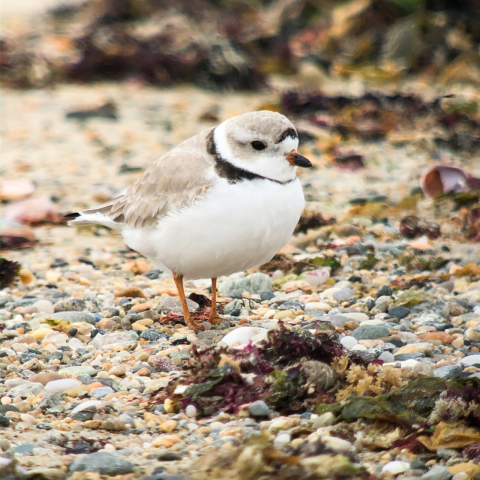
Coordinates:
[224,201]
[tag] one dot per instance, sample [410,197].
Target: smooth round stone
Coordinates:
[191,411]
[371,331]
[75,344]
[387,357]
[336,444]
[396,467]
[322,306]
[78,370]
[359,348]
[317,277]
[398,312]
[343,294]
[259,409]
[89,404]
[44,306]
[282,439]
[328,293]
[242,335]
[104,463]
[56,386]
[102,392]
[349,342]
[471,360]
[356,316]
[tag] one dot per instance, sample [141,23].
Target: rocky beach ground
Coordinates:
[354,353]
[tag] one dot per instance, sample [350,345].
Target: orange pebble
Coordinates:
[107,366]
[94,385]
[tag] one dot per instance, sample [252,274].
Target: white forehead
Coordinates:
[288,144]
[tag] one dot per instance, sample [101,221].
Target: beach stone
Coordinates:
[152,335]
[170,304]
[448,372]
[130,292]
[437,472]
[384,291]
[254,283]
[410,298]
[4,421]
[26,390]
[471,360]
[44,306]
[324,420]
[45,377]
[349,342]
[282,439]
[61,385]
[371,331]
[191,411]
[387,357]
[103,463]
[259,409]
[398,312]
[74,317]
[78,305]
[436,337]
[473,334]
[343,294]
[336,444]
[78,370]
[381,305]
[114,340]
[395,467]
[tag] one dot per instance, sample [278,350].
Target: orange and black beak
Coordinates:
[294,158]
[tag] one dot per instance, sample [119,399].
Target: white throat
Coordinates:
[275,167]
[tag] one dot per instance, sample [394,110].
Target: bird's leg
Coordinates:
[214,317]
[178,279]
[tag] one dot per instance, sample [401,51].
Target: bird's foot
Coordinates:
[194,324]
[215,319]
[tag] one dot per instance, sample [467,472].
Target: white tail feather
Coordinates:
[95,219]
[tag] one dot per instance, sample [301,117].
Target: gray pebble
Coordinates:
[448,372]
[371,332]
[259,409]
[104,463]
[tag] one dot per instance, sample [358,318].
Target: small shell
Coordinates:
[319,375]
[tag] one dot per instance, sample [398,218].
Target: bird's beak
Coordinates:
[294,158]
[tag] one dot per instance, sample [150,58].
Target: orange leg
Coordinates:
[192,324]
[214,317]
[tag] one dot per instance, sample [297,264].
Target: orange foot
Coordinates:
[194,324]
[215,319]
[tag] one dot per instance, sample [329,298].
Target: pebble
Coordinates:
[471,360]
[343,294]
[26,390]
[349,342]
[449,372]
[191,411]
[371,331]
[104,463]
[61,385]
[255,283]
[282,439]
[395,468]
[101,392]
[243,335]
[78,370]
[44,306]
[259,409]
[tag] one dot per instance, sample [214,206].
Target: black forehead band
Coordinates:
[289,132]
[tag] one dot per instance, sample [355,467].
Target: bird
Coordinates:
[223,201]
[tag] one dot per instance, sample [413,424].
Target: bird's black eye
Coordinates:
[257,145]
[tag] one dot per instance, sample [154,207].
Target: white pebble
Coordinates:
[89,403]
[75,344]
[349,342]
[61,385]
[396,467]
[44,306]
[387,357]
[191,411]
[358,348]
[281,439]
[336,444]
[242,335]
[109,447]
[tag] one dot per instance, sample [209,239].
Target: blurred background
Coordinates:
[384,94]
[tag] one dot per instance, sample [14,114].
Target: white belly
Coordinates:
[233,228]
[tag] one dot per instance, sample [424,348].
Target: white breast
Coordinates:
[233,228]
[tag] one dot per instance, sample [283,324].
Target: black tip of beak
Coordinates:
[301,161]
